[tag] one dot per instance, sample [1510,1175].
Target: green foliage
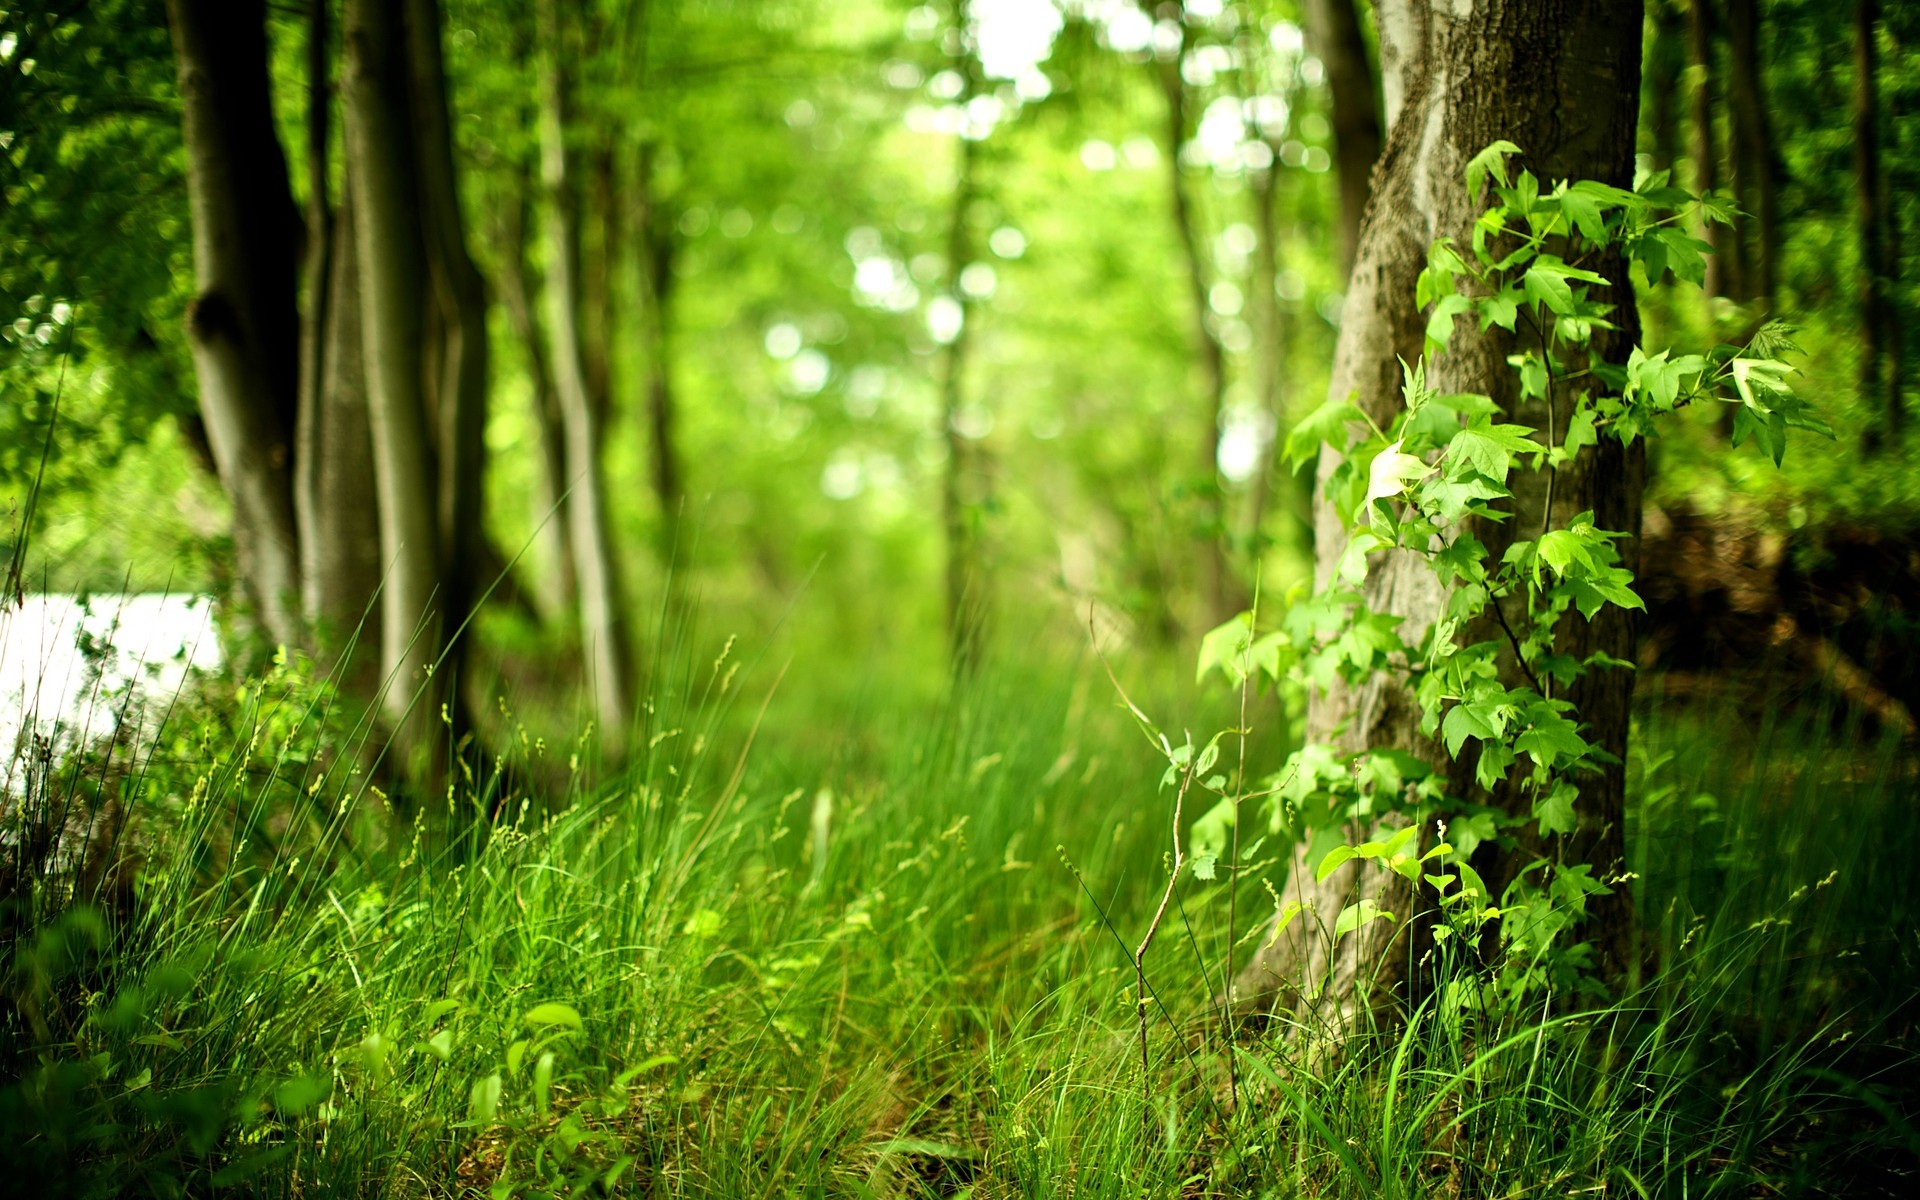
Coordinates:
[1416,488]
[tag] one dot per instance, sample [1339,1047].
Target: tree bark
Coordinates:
[244,324]
[657,250]
[560,594]
[1755,168]
[1870,225]
[1665,65]
[1722,271]
[1269,345]
[392,265]
[1216,585]
[1464,76]
[960,510]
[339,528]
[1334,33]
[459,294]
[602,629]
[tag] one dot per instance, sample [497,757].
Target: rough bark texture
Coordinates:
[1561,79]
[602,628]
[243,325]
[1333,31]
[392,264]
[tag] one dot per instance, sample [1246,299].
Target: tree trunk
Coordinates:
[1722,271]
[339,529]
[1868,191]
[560,595]
[1754,164]
[1666,64]
[1269,345]
[244,324]
[1466,76]
[392,264]
[601,625]
[458,293]
[657,246]
[960,510]
[1333,31]
[1216,586]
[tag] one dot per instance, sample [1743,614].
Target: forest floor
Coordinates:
[864,946]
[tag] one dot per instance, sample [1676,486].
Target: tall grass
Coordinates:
[844,957]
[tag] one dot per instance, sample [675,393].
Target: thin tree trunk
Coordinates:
[392,264]
[965,584]
[339,528]
[1754,161]
[1666,63]
[1722,272]
[656,240]
[1269,341]
[600,235]
[550,499]
[244,324]
[1868,190]
[460,296]
[1216,585]
[1334,33]
[1464,81]
[601,625]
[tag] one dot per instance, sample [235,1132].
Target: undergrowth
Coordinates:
[775,956]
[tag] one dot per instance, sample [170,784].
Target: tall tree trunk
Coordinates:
[1216,585]
[657,247]
[550,497]
[1754,168]
[1666,64]
[244,324]
[602,628]
[1722,271]
[960,512]
[600,237]
[1868,191]
[1468,75]
[1333,31]
[1269,345]
[392,263]
[339,528]
[459,295]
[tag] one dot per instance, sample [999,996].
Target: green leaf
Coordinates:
[553,1013]
[1224,649]
[1489,448]
[1355,916]
[1491,161]
[1440,324]
[1555,810]
[1336,858]
[1326,424]
[484,1098]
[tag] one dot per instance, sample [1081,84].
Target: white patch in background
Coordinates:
[143,649]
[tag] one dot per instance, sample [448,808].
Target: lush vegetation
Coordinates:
[707,498]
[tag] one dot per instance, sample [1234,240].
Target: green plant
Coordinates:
[1422,486]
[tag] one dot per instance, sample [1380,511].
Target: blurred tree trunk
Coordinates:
[382,162]
[1216,585]
[458,296]
[599,235]
[960,509]
[1723,271]
[1754,165]
[1877,329]
[340,541]
[244,324]
[560,594]
[1335,36]
[1666,67]
[1269,346]
[657,247]
[1463,82]
[602,629]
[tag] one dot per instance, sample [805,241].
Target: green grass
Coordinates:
[844,957]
